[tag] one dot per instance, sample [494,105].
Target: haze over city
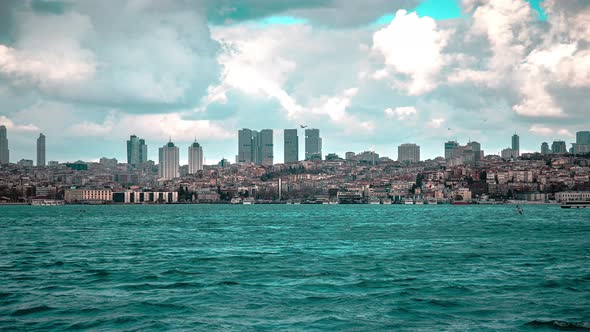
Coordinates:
[370,76]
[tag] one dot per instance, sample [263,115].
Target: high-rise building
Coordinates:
[313,144]
[477,152]
[349,155]
[515,146]
[558,147]
[169,167]
[195,158]
[450,147]
[266,147]
[4,152]
[255,147]
[545,148]
[408,152]
[291,154]
[583,137]
[244,146]
[136,151]
[41,150]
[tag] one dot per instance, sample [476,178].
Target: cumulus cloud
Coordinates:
[542,130]
[436,122]
[9,124]
[152,126]
[412,46]
[401,113]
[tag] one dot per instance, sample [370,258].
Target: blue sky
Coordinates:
[370,75]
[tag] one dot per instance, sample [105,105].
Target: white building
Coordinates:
[195,158]
[169,167]
[569,196]
[408,152]
[88,195]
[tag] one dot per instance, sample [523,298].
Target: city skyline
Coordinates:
[65,73]
[259,149]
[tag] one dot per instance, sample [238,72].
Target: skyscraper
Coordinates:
[136,151]
[169,167]
[515,146]
[558,147]
[266,147]
[313,144]
[244,146]
[450,147]
[255,147]
[408,152]
[195,158]
[4,152]
[545,148]
[41,150]
[291,146]
[583,137]
[477,152]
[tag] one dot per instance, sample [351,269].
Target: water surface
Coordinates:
[294,267]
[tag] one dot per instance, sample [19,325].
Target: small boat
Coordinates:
[519,209]
[575,205]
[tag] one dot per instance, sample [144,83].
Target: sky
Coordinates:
[369,74]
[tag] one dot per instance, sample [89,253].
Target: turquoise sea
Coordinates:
[294,267]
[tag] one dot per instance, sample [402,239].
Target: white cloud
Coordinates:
[412,46]
[9,124]
[542,130]
[436,122]
[401,113]
[153,126]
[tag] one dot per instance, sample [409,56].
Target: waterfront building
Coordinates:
[41,150]
[169,167]
[409,152]
[4,152]
[136,151]
[558,147]
[134,197]
[291,146]
[545,148]
[195,158]
[569,196]
[266,147]
[88,195]
[313,144]
[450,147]
[515,146]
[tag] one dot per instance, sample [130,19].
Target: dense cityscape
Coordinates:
[464,175]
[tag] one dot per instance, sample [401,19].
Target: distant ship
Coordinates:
[575,205]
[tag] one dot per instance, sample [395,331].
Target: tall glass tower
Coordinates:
[515,146]
[136,151]
[41,150]
[291,146]
[313,144]
[4,152]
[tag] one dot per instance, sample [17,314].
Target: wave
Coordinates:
[32,310]
[560,325]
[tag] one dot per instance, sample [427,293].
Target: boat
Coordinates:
[248,200]
[575,205]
